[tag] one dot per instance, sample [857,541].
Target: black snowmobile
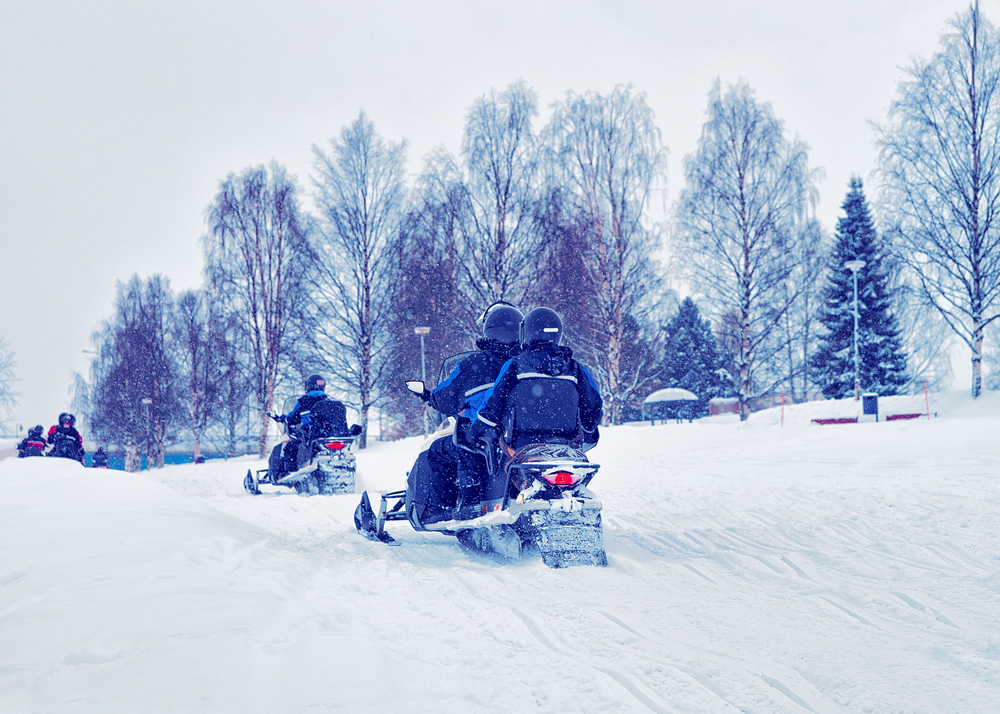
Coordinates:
[536,497]
[324,463]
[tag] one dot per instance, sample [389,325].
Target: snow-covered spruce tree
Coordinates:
[882,363]
[691,358]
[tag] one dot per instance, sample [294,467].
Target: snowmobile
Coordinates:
[66,447]
[325,464]
[536,498]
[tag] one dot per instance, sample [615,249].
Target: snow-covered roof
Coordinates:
[670,394]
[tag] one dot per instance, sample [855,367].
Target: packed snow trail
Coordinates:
[752,568]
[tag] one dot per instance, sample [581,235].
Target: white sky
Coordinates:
[118,120]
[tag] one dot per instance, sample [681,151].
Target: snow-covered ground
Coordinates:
[754,567]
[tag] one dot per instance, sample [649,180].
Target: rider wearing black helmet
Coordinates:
[460,395]
[33,444]
[541,355]
[66,440]
[313,415]
[100,460]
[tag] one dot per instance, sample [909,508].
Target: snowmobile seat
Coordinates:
[542,409]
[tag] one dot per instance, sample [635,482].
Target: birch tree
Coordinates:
[607,152]
[939,163]
[360,193]
[134,396]
[490,197]
[742,223]
[257,254]
[8,395]
[200,374]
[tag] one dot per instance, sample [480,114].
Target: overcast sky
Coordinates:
[118,120]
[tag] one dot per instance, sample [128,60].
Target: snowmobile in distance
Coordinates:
[536,497]
[325,463]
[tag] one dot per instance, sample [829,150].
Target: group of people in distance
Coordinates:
[475,394]
[65,442]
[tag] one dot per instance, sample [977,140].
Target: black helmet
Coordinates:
[541,325]
[35,432]
[501,322]
[315,382]
[66,418]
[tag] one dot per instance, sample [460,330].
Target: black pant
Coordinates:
[463,470]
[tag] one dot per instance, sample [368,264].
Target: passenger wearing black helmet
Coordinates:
[65,439]
[542,355]
[33,444]
[313,415]
[100,460]
[460,395]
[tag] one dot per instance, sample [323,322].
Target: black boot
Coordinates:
[469,499]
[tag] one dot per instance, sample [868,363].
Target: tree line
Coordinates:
[562,215]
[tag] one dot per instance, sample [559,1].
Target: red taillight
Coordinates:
[561,478]
[335,445]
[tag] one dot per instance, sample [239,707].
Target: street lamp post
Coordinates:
[423,331]
[146,401]
[854,266]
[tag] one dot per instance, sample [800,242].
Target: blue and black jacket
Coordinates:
[463,392]
[318,414]
[545,359]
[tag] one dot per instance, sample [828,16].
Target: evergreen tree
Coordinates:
[882,367]
[691,358]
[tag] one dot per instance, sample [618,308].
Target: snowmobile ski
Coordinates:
[250,484]
[368,524]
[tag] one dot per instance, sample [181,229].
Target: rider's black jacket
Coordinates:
[462,393]
[68,442]
[31,446]
[316,411]
[550,360]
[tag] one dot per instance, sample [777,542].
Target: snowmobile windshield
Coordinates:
[448,366]
[286,407]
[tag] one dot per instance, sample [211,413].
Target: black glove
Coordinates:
[355,430]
